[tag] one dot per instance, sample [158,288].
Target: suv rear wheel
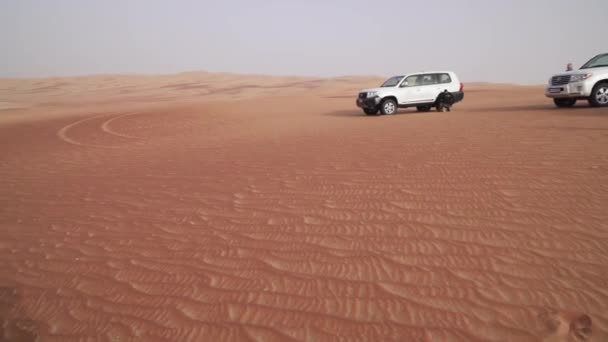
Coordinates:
[388,106]
[599,96]
[564,103]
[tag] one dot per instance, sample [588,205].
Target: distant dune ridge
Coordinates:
[225,207]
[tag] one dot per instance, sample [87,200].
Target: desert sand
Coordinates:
[221,207]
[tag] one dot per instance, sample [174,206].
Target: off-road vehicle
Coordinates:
[589,83]
[423,90]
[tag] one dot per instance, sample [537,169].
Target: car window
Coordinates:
[392,82]
[597,62]
[429,79]
[445,78]
[412,81]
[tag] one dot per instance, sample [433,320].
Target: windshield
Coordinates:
[596,62]
[392,82]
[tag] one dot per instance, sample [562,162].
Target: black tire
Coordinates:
[564,103]
[599,95]
[388,107]
[424,108]
[370,111]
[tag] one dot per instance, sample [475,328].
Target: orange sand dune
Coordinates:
[212,207]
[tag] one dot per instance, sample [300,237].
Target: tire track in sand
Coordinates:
[104,127]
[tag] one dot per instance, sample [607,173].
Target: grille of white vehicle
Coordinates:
[560,80]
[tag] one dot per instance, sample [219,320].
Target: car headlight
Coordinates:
[579,77]
[372,93]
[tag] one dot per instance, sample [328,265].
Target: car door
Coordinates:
[410,90]
[429,88]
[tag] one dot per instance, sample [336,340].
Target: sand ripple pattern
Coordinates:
[246,223]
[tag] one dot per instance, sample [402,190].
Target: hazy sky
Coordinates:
[522,41]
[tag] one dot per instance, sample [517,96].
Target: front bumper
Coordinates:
[570,90]
[369,103]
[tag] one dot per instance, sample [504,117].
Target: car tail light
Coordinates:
[461,86]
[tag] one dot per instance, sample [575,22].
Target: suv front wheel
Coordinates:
[564,103]
[388,106]
[371,111]
[599,96]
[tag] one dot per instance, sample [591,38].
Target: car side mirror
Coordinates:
[404,84]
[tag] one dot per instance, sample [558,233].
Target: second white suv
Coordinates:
[422,90]
[589,83]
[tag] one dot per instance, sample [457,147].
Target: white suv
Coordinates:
[589,83]
[422,90]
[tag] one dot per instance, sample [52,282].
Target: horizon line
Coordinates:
[151,74]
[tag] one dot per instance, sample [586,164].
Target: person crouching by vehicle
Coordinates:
[445,101]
